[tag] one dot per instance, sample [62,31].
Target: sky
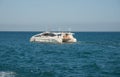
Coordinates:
[54,15]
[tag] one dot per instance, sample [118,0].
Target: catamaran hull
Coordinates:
[46,40]
[72,40]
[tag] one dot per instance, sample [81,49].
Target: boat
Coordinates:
[53,37]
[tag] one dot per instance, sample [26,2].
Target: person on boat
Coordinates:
[66,37]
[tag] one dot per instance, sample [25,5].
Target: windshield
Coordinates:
[48,34]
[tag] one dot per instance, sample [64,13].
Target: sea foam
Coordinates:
[7,74]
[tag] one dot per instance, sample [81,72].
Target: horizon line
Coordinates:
[58,31]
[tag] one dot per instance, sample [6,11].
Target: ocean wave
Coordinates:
[7,74]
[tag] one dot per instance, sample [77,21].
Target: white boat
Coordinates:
[53,37]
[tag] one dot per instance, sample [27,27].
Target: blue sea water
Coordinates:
[96,54]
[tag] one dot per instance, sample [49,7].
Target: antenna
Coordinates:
[69,30]
[59,29]
[46,29]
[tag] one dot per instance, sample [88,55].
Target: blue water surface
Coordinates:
[96,54]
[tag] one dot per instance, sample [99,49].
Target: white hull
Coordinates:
[46,40]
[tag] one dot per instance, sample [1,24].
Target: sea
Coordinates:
[96,54]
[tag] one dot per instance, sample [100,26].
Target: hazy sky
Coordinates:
[79,15]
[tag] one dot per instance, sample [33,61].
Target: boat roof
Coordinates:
[55,33]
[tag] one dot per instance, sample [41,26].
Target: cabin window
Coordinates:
[49,34]
[37,35]
[59,34]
